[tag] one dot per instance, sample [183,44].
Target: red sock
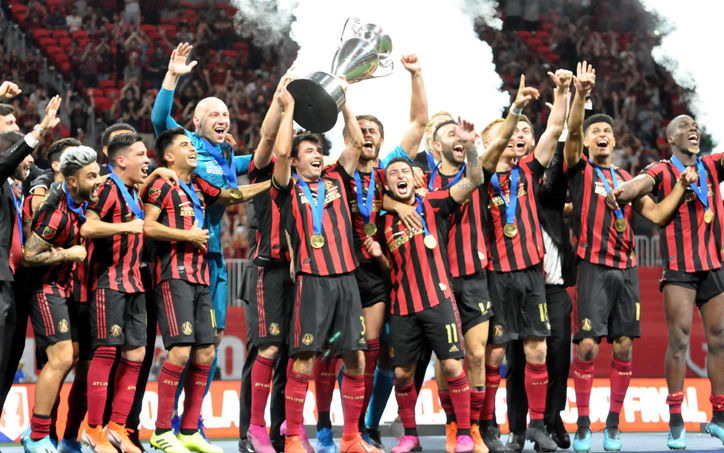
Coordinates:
[406,399]
[583,382]
[295,393]
[168,380]
[460,397]
[261,376]
[492,382]
[125,390]
[353,395]
[675,400]
[39,426]
[620,378]
[371,355]
[477,398]
[77,408]
[195,386]
[717,402]
[446,403]
[325,376]
[98,374]
[536,386]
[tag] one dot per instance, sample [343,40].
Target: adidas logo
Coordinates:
[454,348]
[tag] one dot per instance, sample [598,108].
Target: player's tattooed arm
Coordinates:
[474,169]
[247,193]
[629,191]
[584,81]
[660,213]
[40,253]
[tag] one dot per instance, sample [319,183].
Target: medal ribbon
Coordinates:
[365,205]
[512,205]
[18,210]
[452,182]
[191,192]
[418,208]
[80,210]
[618,212]
[131,201]
[230,172]
[701,190]
[318,206]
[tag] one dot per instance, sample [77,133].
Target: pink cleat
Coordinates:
[407,444]
[260,439]
[305,440]
[464,444]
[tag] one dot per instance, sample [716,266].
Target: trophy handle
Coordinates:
[384,68]
[356,26]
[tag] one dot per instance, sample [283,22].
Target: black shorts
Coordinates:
[437,327]
[707,284]
[607,303]
[473,299]
[118,318]
[374,286]
[185,314]
[519,304]
[269,308]
[327,310]
[77,316]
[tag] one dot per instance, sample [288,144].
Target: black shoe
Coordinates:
[278,443]
[376,438]
[491,437]
[560,436]
[245,446]
[541,439]
[133,435]
[516,442]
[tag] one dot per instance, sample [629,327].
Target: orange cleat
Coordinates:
[480,446]
[293,444]
[451,433]
[353,443]
[96,439]
[118,436]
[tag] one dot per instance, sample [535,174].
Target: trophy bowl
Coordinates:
[318,99]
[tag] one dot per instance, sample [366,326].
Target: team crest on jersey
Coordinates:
[63,326]
[49,233]
[307,339]
[498,331]
[586,324]
[154,192]
[115,330]
[274,328]
[186,328]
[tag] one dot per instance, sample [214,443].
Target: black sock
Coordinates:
[451,418]
[323,420]
[463,432]
[584,422]
[92,426]
[411,432]
[612,419]
[676,420]
[160,431]
[718,417]
[474,422]
[188,432]
[536,424]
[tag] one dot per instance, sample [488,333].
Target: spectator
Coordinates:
[56,19]
[132,70]
[73,20]
[132,13]
[156,69]
[89,63]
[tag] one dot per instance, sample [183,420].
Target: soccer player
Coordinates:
[691,250]
[174,217]
[53,248]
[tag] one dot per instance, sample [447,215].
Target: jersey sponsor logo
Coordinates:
[63,325]
[214,169]
[497,200]
[49,233]
[498,331]
[186,328]
[400,238]
[586,324]
[115,330]
[600,189]
[274,329]
[187,211]
[307,339]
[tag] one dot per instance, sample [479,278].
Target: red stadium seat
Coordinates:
[19,9]
[46,42]
[533,42]
[543,35]
[102,104]
[63,42]
[522,34]
[552,57]
[106,84]
[59,34]
[108,92]
[233,54]
[548,26]
[80,34]
[39,33]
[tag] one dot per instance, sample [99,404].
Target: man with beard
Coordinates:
[691,250]
[53,248]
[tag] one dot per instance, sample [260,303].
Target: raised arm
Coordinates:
[285,138]
[177,67]
[546,147]
[9,90]
[659,213]
[271,124]
[462,190]
[496,146]
[585,80]
[354,138]
[418,107]
[247,193]
[37,253]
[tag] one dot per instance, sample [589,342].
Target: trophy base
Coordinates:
[318,100]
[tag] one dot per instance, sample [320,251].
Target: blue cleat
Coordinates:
[325,443]
[201,429]
[70,446]
[43,445]
[582,440]
[715,430]
[176,425]
[611,438]
[678,443]
[366,437]
[25,436]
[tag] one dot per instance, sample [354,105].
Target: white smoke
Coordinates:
[689,32]
[265,21]
[457,66]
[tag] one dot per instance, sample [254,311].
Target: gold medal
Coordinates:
[235,194]
[620,225]
[317,241]
[510,230]
[430,242]
[708,216]
[370,229]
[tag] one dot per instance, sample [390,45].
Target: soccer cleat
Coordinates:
[260,439]
[293,444]
[245,446]
[407,444]
[133,435]
[715,430]
[516,442]
[200,426]
[176,424]
[541,438]
[480,446]
[305,440]
[70,446]
[25,436]
[491,437]
[366,437]
[97,440]
[325,442]
[196,442]
[353,443]
[168,443]
[451,432]
[679,443]
[611,438]
[118,436]
[464,444]
[376,439]
[560,436]
[43,445]
[582,440]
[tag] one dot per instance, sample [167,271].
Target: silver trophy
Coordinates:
[363,53]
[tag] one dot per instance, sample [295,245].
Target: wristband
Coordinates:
[516,111]
[39,129]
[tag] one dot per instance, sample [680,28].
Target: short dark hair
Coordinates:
[6,109]
[598,118]
[8,139]
[121,142]
[305,137]
[440,126]
[164,140]
[374,119]
[106,138]
[396,160]
[57,148]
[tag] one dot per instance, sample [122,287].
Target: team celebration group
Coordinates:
[461,250]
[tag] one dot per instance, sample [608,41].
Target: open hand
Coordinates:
[177,64]
[585,78]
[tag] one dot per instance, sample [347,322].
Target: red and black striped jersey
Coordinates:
[27,214]
[58,226]
[115,261]
[597,240]
[467,245]
[179,260]
[80,276]
[688,243]
[420,276]
[525,249]
[336,256]
[357,220]
[271,241]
